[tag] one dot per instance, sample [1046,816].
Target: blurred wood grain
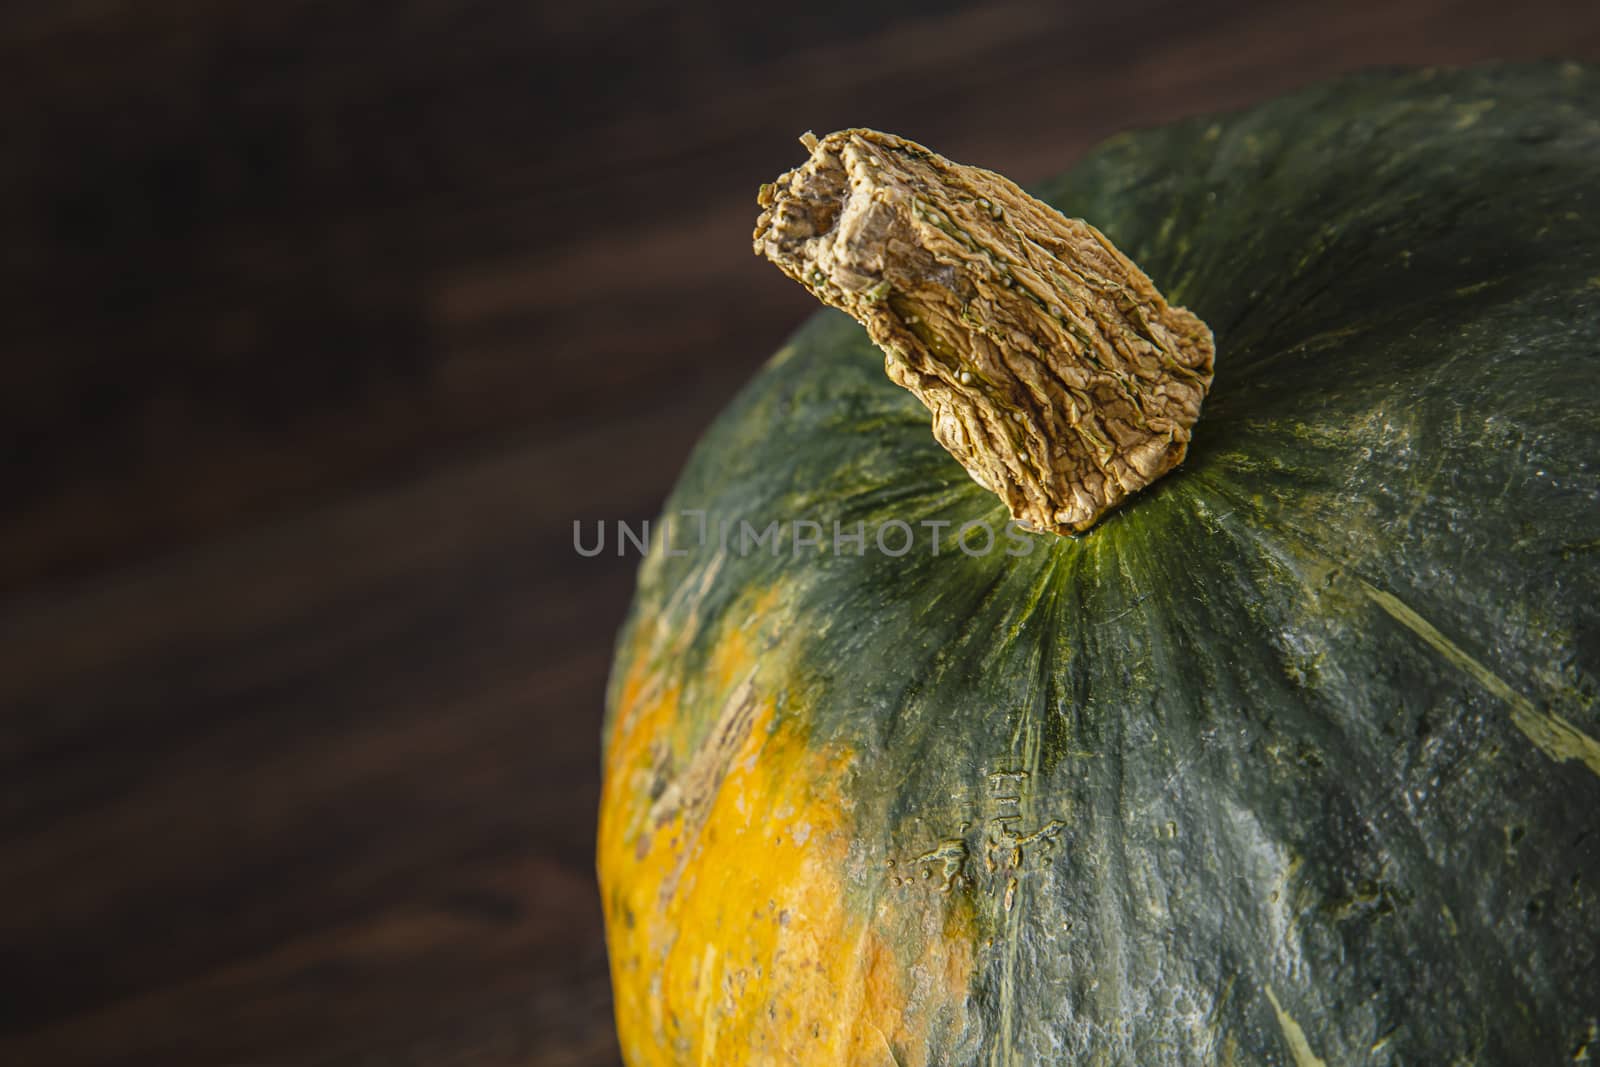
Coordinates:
[324,321]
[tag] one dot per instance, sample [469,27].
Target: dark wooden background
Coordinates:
[322,323]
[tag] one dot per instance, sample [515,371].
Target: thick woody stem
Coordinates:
[1056,373]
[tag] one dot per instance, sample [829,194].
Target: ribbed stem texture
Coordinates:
[1056,373]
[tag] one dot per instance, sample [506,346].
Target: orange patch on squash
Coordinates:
[737,922]
[928,979]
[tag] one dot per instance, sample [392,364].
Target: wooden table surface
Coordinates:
[323,323]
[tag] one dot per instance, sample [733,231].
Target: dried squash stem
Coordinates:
[1056,373]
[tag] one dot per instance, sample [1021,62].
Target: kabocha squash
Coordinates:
[1283,755]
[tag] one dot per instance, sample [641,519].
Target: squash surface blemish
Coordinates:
[1294,1036]
[736,934]
[1551,733]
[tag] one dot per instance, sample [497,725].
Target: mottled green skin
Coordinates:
[1264,776]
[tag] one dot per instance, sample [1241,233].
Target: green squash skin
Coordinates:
[1315,714]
